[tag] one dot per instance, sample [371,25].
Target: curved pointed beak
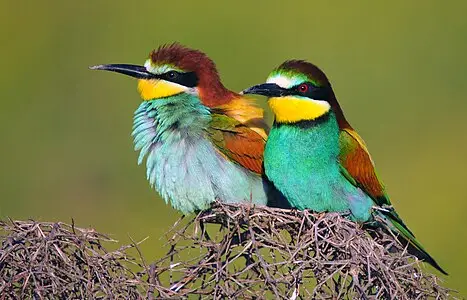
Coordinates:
[266,89]
[135,71]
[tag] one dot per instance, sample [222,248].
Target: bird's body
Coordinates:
[310,152]
[183,163]
[315,158]
[202,142]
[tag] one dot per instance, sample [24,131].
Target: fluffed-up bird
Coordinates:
[202,142]
[316,159]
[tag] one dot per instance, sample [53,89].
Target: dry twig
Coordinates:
[41,260]
[259,253]
[229,251]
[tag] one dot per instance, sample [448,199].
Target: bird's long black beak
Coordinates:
[266,89]
[139,72]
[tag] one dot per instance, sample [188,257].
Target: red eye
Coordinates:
[303,88]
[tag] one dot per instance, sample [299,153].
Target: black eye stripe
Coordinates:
[188,79]
[313,91]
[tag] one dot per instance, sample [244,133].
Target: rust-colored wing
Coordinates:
[356,159]
[237,142]
[357,162]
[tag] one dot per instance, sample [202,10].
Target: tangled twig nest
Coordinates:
[258,253]
[41,260]
[228,251]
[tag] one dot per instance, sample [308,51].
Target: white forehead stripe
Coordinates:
[157,69]
[282,81]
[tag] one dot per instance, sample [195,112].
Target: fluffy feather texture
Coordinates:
[243,145]
[182,163]
[202,142]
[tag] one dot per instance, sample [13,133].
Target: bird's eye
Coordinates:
[171,75]
[303,88]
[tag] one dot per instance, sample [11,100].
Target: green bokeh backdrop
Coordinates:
[398,68]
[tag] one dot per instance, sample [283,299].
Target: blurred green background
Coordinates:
[398,69]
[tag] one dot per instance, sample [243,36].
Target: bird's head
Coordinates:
[174,69]
[298,91]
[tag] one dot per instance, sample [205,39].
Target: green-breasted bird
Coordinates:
[202,142]
[316,159]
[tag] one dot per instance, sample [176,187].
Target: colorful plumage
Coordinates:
[202,142]
[316,159]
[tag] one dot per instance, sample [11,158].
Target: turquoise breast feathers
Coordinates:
[302,162]
[181,162]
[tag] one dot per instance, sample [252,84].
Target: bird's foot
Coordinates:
[345,213]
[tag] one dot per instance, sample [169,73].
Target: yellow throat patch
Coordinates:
[154,89]
[292,109]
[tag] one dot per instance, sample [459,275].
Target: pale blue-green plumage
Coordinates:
[182,163]
[302,162]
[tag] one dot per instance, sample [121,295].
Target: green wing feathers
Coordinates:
[407,238]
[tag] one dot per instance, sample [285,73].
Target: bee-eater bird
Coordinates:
[316,159]
[202,142]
